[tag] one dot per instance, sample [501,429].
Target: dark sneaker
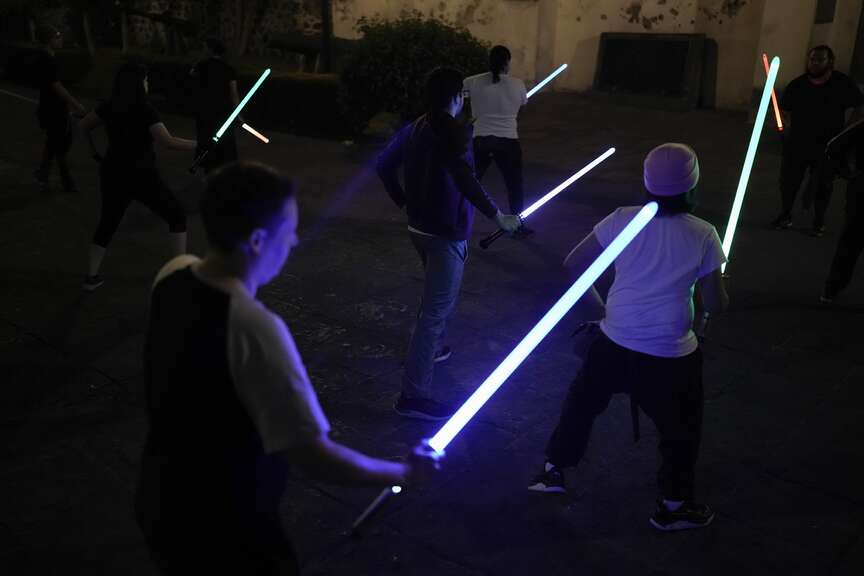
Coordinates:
[817,231]
[91,283]
[442,354]
[782,222]
[41,181]
[550,481]
[688,516]
[422,409]
[523,232]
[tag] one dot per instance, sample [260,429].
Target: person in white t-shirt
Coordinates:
[646,346]
[496,99]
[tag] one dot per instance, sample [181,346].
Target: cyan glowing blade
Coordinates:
[555,191]
[546,80]
[241,105]
[749,158]
[494,381]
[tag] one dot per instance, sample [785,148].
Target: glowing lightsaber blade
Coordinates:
[241,105]
[748,159]
[486,242]
[777,115]
[255,133]
[546,80]
[493,382]
[232,117]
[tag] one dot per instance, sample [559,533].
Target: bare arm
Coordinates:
[329,461]
[712,293]
[580,258]
[89,123]
[70,100]
[164,138]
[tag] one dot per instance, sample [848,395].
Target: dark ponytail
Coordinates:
[499,57]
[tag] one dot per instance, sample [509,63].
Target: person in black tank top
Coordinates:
[216,85]
[128,171]
[229,402]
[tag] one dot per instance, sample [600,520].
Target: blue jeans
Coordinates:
[443,263]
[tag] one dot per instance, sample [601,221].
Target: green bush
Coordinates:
[389,65]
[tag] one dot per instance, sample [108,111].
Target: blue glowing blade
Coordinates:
[241,105]
[546,80]
[555,191]
[494,381]
[749,158]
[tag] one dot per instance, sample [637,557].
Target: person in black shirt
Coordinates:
[229,403]
[128,171]
[846,154]
[815,105]
[440,195]
[216,83]
[53,111]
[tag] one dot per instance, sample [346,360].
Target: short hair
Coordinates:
[240,198]
[215,45]
[823,48]
[679,204]
[442,86]
[499,56]
[46,32]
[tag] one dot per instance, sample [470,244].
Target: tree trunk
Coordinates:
[326,36]
[88,36]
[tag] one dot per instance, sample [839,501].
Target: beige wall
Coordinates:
[545,33]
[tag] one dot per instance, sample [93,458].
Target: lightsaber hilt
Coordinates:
[198,159]
[486,242]
[370,510]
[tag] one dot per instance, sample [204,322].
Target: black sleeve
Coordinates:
[457,142]
[389,162]
[103,110]
[788,99]
[854,99]
[150,116]
[230,73]
[838,148]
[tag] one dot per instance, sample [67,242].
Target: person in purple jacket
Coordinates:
[440,193]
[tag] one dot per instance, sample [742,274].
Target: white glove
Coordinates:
[508,222]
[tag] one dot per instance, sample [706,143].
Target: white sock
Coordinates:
[549,466]
[672,505]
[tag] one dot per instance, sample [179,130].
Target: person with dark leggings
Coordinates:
[216,82]
[128,171]
[646,346]
[814,105]
[496,99]
[55,103]
[846,154]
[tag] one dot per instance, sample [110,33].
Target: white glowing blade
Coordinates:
[555,191]
[473,404]
[241,105]
[749,158]
[546,80]
[255,133]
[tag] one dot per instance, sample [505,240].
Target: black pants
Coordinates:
[507,154]
[669,391]
[851,241]
[120,187]
[58,140]
[795,163]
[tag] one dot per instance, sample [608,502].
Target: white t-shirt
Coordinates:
[649,308]
[495,105]
[265,367]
